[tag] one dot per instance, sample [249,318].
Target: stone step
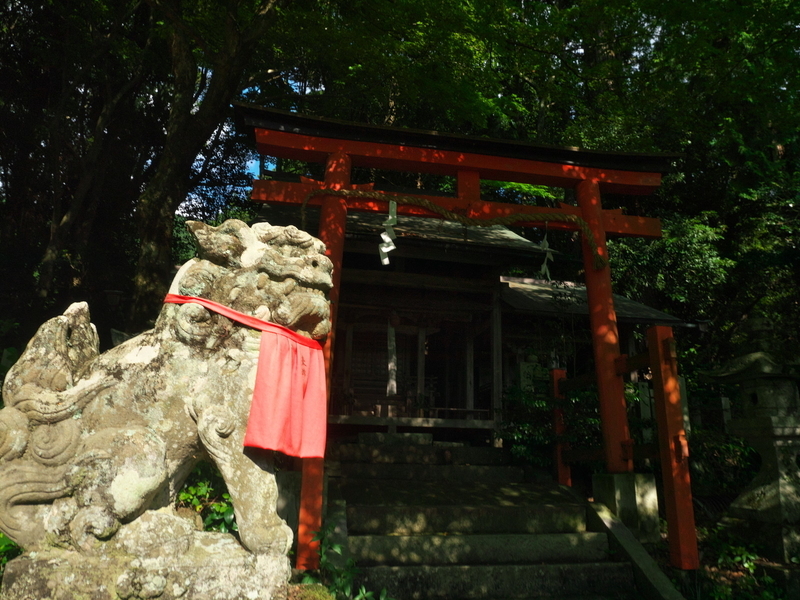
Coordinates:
[419,454]
[442,473]
[466,582]
[610,596]
[614,596]
[367,519]
[471,493]
[369,550]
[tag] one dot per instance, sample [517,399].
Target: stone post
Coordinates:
[768,407]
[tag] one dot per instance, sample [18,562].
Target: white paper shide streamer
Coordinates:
[388,236]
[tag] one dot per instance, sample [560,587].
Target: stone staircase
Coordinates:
[431,521]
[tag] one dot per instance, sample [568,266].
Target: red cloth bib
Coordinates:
[288,411]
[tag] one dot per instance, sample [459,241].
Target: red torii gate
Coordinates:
[341,146]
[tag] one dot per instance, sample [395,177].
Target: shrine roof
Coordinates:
[447,232]
[552,298]
[255,117]
[496,243]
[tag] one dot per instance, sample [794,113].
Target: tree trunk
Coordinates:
[156,213]
[194,116]
[165,192]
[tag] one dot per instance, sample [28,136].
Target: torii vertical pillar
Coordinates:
[332,225]
[674,448]
[605,337]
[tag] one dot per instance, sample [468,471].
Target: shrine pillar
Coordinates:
[605,337]
[674,449]
[332,226]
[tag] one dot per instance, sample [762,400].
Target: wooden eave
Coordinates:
[530,296]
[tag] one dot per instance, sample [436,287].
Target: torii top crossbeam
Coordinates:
[341,146]
[469,159]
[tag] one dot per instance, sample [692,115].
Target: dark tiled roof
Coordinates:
[551,298]
[366,226]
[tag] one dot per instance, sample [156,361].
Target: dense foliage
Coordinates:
[116,112]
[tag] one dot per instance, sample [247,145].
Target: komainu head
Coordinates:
[279,274]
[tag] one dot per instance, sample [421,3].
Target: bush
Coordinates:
[205,493]
[729,569]
[721,464]
[8,550]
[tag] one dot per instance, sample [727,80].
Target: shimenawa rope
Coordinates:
[599,261]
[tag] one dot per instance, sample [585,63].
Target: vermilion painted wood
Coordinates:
[332,226]
[614,222]
[605,338]
[468,184]
[563,470]
[447,162]
[333,221]
[310,516]
[674,449]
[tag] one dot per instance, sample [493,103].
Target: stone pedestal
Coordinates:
[770,506]
[172,562]
[633,498]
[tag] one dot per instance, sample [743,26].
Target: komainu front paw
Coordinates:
[92,523]
[275,539]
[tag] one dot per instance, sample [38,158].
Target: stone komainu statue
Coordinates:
[89,441]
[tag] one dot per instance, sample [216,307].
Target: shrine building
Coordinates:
[430,329]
